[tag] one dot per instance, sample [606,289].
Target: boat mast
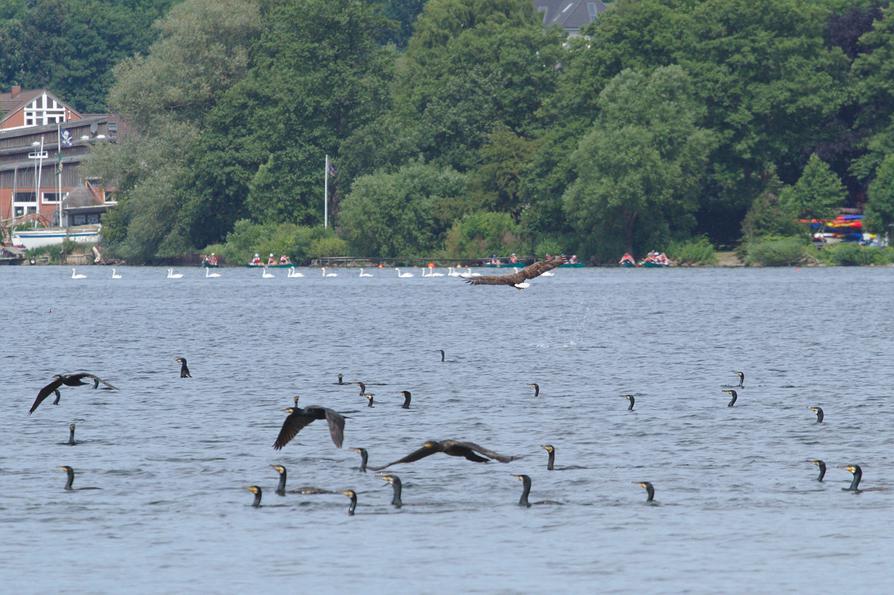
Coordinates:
[59,171]
[39,165]
[326,193]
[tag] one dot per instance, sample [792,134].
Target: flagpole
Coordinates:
[59,171]
[326,194]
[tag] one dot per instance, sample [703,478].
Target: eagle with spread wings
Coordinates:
[518,279]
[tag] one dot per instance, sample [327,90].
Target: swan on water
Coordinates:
[76,275]
[403,275]
[432,273]
[265,274]
[173,275]
[362,274]
[115,274]
[469,274]
[293,274]
[325,274]
[452,272]
[210,275]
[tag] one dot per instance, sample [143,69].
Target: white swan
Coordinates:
[115,274]
[210,275]
[469,274]
[293,274]
[325,274]
[403,275]
[173,275]
[362,274]
[76,275]
[265,274]
[432,273]
[452,272]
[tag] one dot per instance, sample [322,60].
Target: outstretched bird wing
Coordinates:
[486,452]
[336,426]
[420,453]
[529,272]
[46,392]
[96,380]
[290,427]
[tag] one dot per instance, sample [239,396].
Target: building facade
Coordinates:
[42,143]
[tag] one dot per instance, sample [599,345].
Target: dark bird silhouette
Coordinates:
[256,490]
[733,394]
[517,280]
[184,370]
[822,468]
[71,434]
[536,388]
[650,490]
[70,479]
[298,418]
[281,487]
[855,482]
[526,491]
[362,388]
[453,448]
[443,355]
[364,458]
[741,376]
[66,380]
[551,451]
[631,400]
[369,399]
[353,496]
[396,485]
[818,411]
[407,396]
[341,378]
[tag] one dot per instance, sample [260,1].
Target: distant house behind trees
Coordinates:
[41,136]
[571,15]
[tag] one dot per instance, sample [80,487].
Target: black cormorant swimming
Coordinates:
[731,392]
[407,396]
[281,488]
[70,480]
[536,388]
[298,418]
[650,489]
[741,376]
[855,482]
[353,496]
[369,399]
[822,468]
[184,373]
[394,480]
[71,434]
[631,400]
[526,490]
[256,490]
[362,387]
[443,355]
[364,457]
[818,411]
[67,380]
[341,378]
[454,448]
[551,451]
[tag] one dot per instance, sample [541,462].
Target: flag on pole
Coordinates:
[331,169]
[66,138]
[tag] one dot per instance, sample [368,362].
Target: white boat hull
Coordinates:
[36,238]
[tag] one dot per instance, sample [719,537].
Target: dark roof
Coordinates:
[8,103]
[79,197]
[571,15]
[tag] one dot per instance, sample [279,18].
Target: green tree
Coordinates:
[880,208]
[818,193]
[638,169]
[478,235]
[768,215]
[496,182]
[402,214]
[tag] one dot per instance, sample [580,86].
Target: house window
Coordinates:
[79,220]
[51,197]
[25,197]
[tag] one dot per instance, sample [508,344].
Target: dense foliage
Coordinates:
[459,127]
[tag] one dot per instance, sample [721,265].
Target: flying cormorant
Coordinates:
[454,448]
[67,380]
[298,418]
[184,371]
[394,480]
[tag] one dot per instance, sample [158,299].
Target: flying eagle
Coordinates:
[518,279]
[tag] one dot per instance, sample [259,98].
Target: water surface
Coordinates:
[739,509]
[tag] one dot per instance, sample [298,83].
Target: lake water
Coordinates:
[739,507]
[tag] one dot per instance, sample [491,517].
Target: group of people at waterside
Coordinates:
[652,259]
[271,260]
